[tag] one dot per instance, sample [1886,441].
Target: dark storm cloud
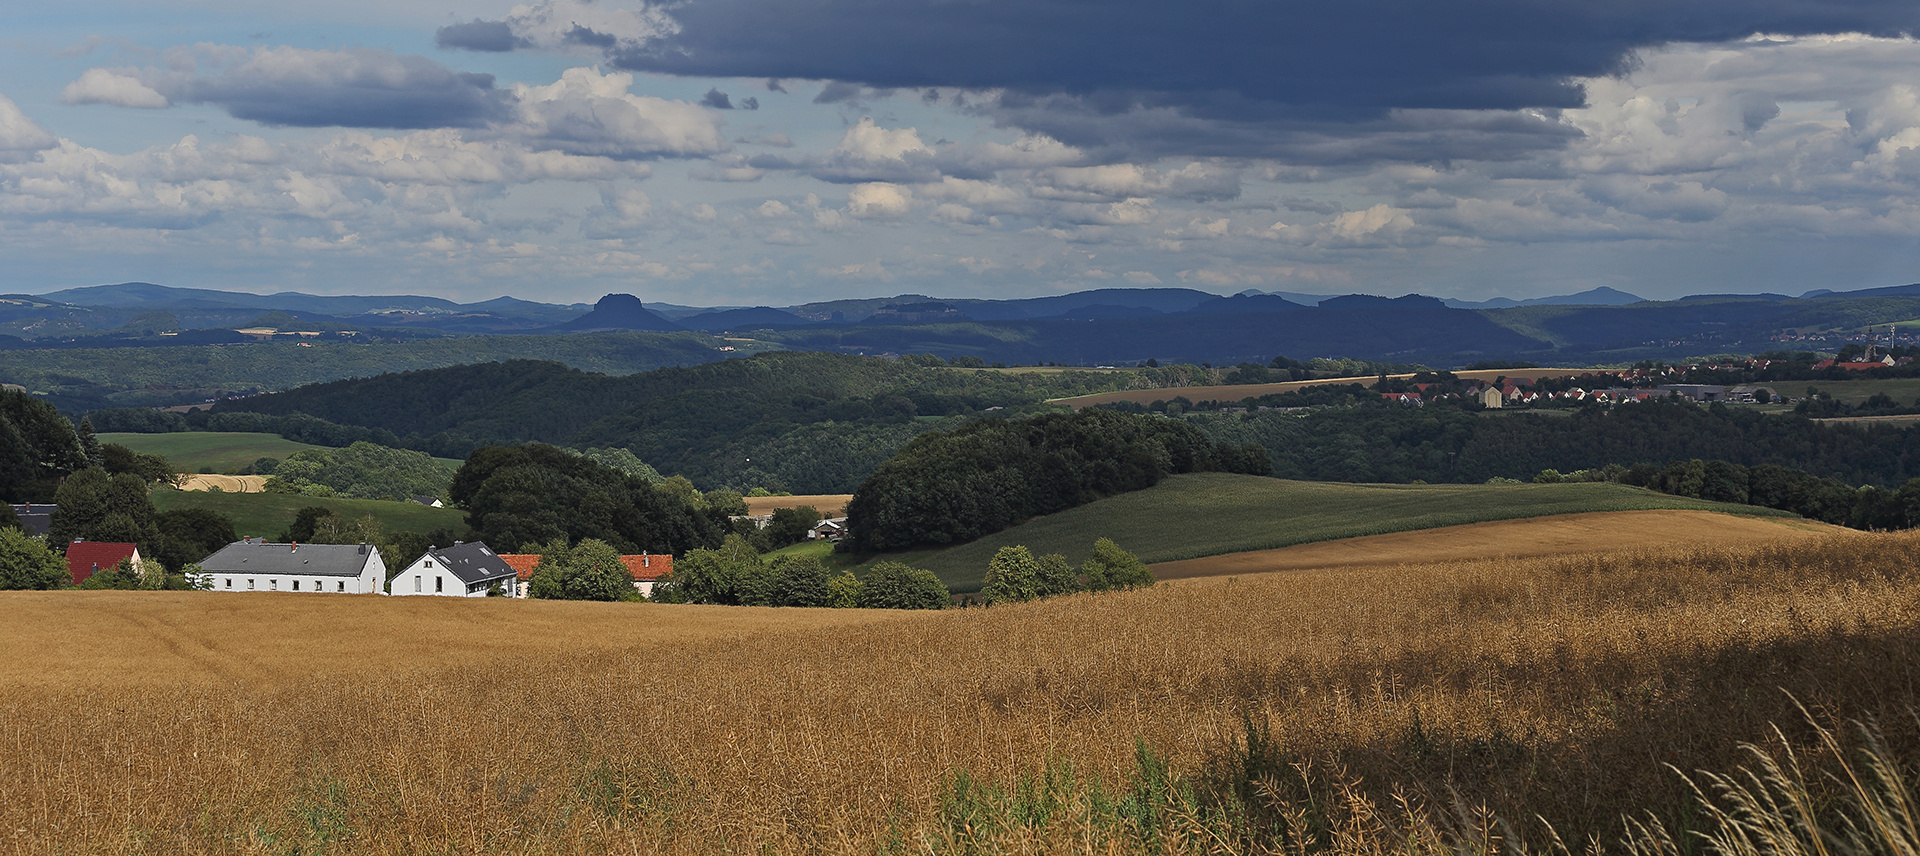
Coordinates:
[491,36]
[1224,77]
[355,88]
[580,35]
[1330,57]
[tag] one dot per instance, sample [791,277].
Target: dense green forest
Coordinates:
[803,422]
[360,471]
[950,487]
[534,494]
[38,447]
[74,379]
[1375,442]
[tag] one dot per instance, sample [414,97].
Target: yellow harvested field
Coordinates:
[1559,535]
[1238,392]
[1553,690]
[828,504]
[230,484]
[260,639]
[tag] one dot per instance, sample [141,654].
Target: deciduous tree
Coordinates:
[26,563]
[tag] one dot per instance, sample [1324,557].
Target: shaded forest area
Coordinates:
[1378,442]
[949,488]
[796,421]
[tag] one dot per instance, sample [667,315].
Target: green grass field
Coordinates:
[209,451]
[1905,390]
[1210,514]
[266,514]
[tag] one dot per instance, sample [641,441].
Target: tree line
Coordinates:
[1375,442]
[954,486]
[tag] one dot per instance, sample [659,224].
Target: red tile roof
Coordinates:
[649,567]
[86,557]
[644,568]
[522,563]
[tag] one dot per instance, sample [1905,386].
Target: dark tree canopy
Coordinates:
[946,488]
[95,506]
[535,493]
[37,447]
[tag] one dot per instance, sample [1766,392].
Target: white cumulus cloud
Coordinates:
[100,86]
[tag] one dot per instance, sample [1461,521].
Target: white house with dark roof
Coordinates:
[252,564]
[466,569]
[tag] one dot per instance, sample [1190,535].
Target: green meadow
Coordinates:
[266,514]
[218,452]
[1210,514]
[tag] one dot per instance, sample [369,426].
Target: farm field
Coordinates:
[266,514]
[1533,537]
[1207,514]
[1258,713]
[230,484]
[1905,390]
[193,451]
[220,452]
[829,505]
[1233,393]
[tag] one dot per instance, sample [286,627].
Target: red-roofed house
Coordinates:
[86,558]
[646,569]
[522,564]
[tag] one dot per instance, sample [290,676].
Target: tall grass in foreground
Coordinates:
[1508,705]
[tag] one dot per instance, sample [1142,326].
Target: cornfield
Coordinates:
[1525,705]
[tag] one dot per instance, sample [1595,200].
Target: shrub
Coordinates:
[26,563]
[1012,576]
[895,585]
[1113,568]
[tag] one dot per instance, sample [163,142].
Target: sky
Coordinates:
[777,152]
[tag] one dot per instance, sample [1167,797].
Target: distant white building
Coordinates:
[253,564]
[466,569]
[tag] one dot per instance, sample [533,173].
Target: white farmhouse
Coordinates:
[466,569]
[253,564]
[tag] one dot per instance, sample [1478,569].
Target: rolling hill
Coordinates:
[1209,514]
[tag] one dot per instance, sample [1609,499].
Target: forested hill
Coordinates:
[804,421]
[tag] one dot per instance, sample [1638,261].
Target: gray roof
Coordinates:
[35,517]
[259,557]
[473,562]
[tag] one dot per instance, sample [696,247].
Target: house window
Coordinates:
[342,585]
[439,584]
[429,564]
[416,584]
[229,583]
[249,585]
[273,584]
[296,585]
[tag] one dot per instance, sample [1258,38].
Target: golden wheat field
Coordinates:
[1531,537]
[1338,710]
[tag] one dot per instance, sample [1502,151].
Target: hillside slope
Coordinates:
[1209,514]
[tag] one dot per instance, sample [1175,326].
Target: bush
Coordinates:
[894,585]
[26,563]
[591,570]
[1113,568]
[801,581]
[1012,576]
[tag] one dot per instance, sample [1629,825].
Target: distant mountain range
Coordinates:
[1111,325]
